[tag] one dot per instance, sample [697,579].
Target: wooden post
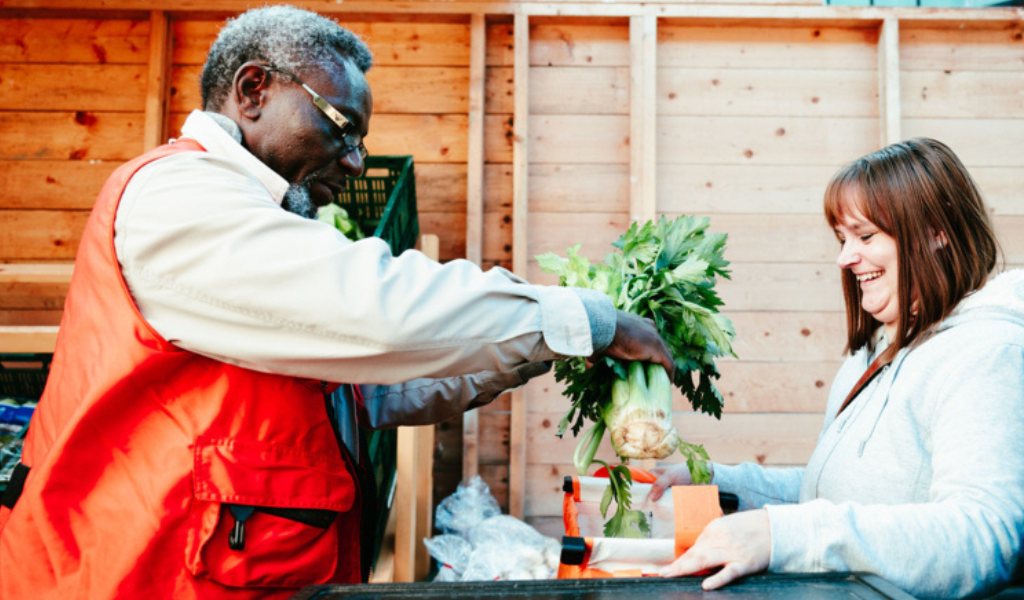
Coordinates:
[413,504]
[889,81]
[405,505]
[520,214]
[159,83]
[475,207]
[431,246]
[643,80]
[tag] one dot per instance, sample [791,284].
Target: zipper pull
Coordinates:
[236,541]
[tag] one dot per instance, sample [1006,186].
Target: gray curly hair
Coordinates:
[283,36]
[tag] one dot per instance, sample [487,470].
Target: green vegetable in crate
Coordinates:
[334,215]
[665,271]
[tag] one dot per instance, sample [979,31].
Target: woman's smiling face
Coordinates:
[871,255]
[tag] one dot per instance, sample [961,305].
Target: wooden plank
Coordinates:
[579,188]
[429,138]
[405,505]
[743,11]
[63,87]
[789,336]
[495,437]
[778,91]
[475,206]
[37,286]
[753,238]
[33,317]
[889,82]
[962,94]
[643,117]
[978,142]
[569,90]
[52,184]
[747,387]
[743,189]
[1000,188]
[500,44]
[158,81]
[78,135]
[396,89]
[799,287]
[757,47]
[765,140]
[392,43]
[41,234]
[579,45]
[968,49]
[579,139]
[424,499]
[520,213]
[41,339]
[761,437]
[80,41]
[475,160]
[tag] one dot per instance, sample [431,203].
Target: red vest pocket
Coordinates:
[239,481]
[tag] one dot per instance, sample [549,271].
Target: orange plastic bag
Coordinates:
[676,520]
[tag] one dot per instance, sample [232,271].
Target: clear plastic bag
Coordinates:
[469,505]
[481,544]
[452,555]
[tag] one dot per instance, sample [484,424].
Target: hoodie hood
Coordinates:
[1001,298]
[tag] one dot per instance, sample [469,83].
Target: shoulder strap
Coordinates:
[873,369]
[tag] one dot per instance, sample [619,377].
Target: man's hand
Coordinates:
[678,474]
[636,338]
[740,543]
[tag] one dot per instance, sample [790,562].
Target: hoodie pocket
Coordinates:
[264,515]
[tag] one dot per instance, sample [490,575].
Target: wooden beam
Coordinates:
[405,505]
[643,43]
[889,81]
[159,81]
[475,206]
[34,339]
[424,468]
[520,250]
[763,9]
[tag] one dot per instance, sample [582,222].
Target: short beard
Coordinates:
[296,200]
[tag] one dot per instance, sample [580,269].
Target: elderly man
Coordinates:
[187,445]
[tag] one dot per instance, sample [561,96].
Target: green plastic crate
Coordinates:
[383,201]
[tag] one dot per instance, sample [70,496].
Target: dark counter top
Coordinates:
[837,586]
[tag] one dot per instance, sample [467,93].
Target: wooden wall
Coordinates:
[605,113]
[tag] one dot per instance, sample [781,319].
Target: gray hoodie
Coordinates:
[921,479]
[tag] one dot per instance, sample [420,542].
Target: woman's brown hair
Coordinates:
[918,192]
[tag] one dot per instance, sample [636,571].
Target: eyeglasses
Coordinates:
[351,139]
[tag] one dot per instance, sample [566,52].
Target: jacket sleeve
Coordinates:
[218,268]
[428,401]
[967,539]
[756,486]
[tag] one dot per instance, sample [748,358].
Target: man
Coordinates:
[183,447]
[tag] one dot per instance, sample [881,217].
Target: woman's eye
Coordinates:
[867,237]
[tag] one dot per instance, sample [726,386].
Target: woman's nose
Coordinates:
[848,255]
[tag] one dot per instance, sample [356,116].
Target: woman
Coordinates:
[918,475]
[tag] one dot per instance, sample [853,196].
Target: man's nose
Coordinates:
[353,164]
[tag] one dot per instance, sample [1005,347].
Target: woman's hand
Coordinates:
[740,543]
[678,474]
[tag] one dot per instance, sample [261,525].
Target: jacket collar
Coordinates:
[222,137]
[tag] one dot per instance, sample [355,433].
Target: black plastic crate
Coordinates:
[23,376]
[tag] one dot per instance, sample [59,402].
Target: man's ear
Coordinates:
[249,89]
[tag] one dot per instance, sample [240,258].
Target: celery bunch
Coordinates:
[337,217]
[665,271]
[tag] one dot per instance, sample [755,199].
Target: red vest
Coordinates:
[138,449]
